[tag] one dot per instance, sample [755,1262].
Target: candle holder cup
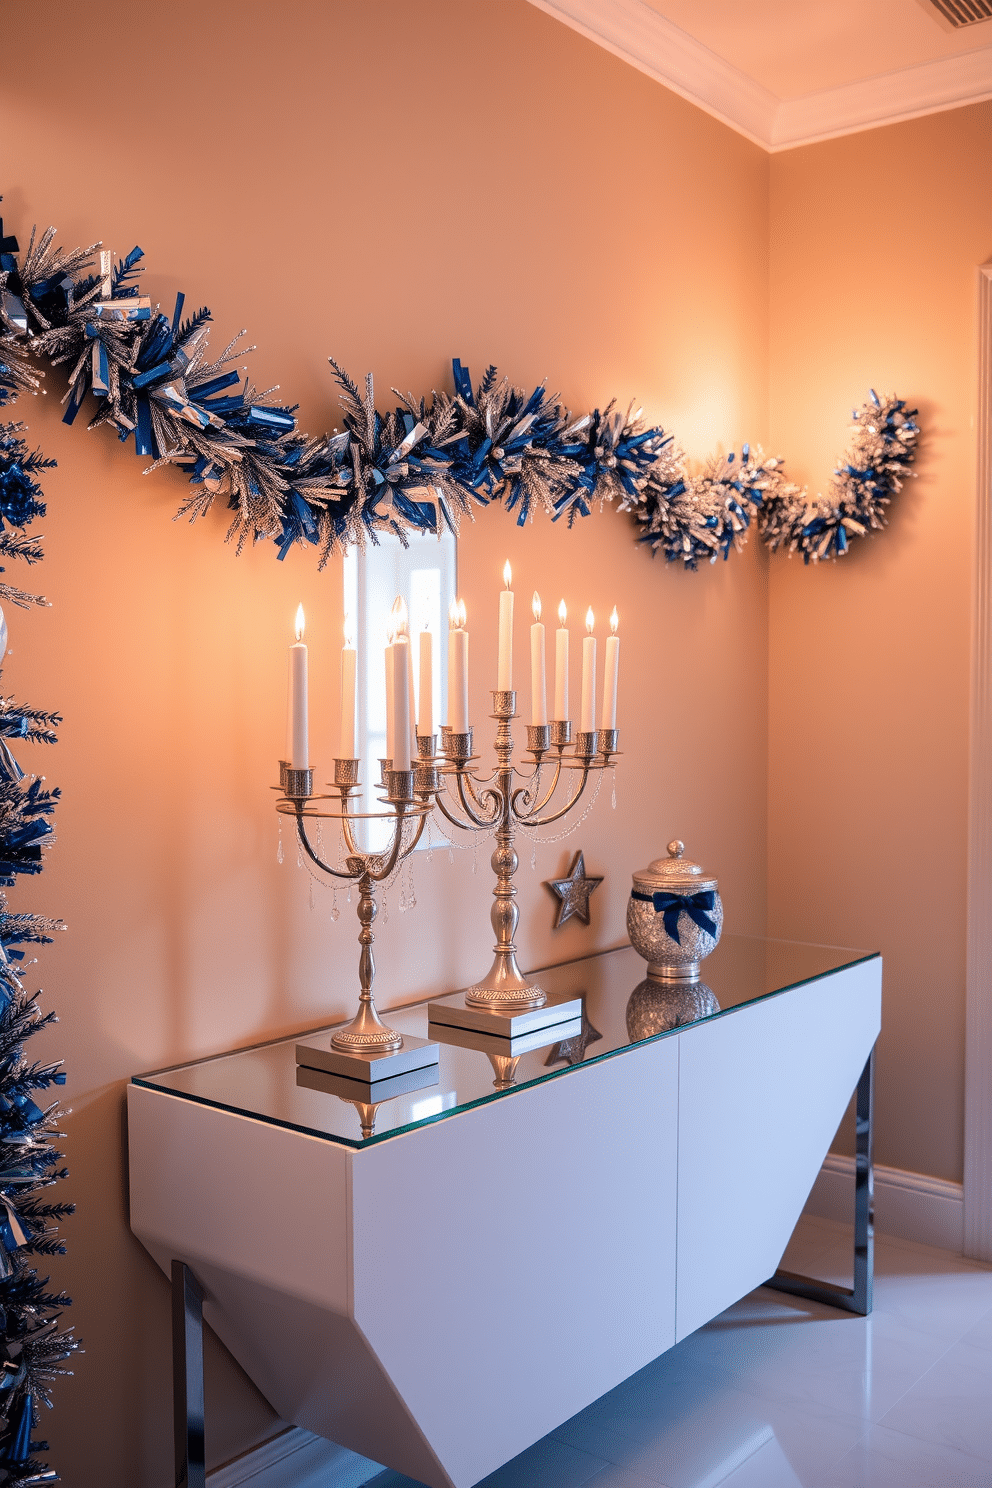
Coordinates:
[426,780]
[298,785]
[457,747]
[561,732]
[607,743]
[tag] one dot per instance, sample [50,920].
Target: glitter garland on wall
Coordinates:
[422,465]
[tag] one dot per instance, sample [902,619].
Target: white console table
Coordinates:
[444,1291]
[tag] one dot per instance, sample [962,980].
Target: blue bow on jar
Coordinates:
[672,905]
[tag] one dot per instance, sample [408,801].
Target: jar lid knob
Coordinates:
[676,849]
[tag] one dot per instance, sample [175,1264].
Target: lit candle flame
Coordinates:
[614,620]
[456,614]
[507,573]
[301,623]
[400,617]
[562,613]
[590,620]
[536,605]
[462,614]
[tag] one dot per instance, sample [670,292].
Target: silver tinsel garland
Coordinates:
[419,467]
[876,464]
[693,519]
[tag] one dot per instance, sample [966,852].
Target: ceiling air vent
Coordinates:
[958,13]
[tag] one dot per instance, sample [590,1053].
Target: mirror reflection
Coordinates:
[619,1007]
[423,574]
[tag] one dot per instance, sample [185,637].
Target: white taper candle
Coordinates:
[425,702]
[611,674]
[401,703]
[504,663]
[401,618]
[348,742]
[538,680]
[587,715]
[299,755]
[390,697]
[457,668]
[561,665]
[412,696]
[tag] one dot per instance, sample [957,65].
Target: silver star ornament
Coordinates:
[573,893]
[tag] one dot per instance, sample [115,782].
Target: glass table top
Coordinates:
[620,1008]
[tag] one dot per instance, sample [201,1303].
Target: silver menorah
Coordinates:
[500,802]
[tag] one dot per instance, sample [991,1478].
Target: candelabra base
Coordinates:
[498,996]
[370,1090]
[456,1011]
[367,1064]
[366,1095]
[504,988]
[512,1047]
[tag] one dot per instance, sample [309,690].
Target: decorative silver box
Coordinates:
[674,916]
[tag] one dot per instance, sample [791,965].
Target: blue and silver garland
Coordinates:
[419,467]
[877,462]
[693,519]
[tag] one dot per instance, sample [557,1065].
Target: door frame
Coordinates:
[978,1036]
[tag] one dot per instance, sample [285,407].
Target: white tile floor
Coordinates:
[780,1393]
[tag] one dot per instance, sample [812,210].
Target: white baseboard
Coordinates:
[295,1459]
[908,1206]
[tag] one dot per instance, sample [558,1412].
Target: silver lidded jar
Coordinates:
[674,916]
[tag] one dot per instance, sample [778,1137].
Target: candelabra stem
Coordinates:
[366,1033]
[505,989]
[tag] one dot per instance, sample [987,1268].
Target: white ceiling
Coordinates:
[787,72]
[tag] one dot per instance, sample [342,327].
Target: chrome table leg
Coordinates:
[859,1297]
[187,1377]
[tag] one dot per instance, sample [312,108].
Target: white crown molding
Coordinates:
[910,93]
[637,34]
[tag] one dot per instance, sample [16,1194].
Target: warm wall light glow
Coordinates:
[590,620]
[507,573]
[562,613]
[535,605]
[614,620]
[301,623]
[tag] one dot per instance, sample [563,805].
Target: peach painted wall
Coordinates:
[875,240]
[393,184]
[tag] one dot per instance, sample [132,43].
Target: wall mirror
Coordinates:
[425,574]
